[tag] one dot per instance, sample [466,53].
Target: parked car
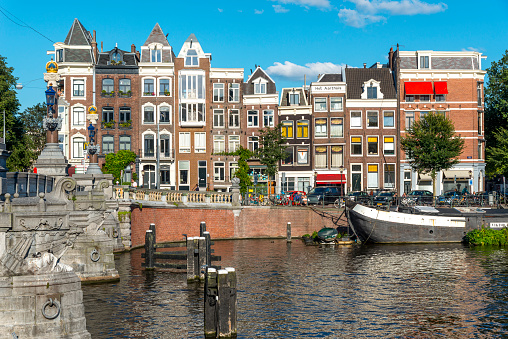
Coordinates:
[449,197]
[421,197]
[323,194]
[360,197]
[385,198]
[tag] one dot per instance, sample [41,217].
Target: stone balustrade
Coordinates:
[172,196]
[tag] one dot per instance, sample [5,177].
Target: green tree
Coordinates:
[496,115]
[116,163]
[431,145]
[243,170]
[9,102]
[28,148]
[271,148]
[497,154]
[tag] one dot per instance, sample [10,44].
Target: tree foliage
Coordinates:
[496,115]
[271,148]
[9,102]
[116,163]
[29,147]
[431,145]
[243,170]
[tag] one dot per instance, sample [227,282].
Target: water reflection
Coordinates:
[294,291]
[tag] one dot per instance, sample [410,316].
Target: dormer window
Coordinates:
[260,88]
[115,56]
[59,55]
[294,99]
[156,54]
[192,58]
[371,92]
[424,61]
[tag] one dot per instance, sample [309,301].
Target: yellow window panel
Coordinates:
[356,139]
[372,139]
[388,139]
[372,168]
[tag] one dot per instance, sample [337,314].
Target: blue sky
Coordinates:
[288,38]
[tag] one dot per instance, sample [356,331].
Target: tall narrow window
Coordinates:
[480,123]
[424,61]
[148,115]
[125,143]
[371,92]
[389,146]
[148,87]
[356,145]
[389,174]
[124,88]
[164,88]
[336,104]
[268,118]
[184,142]
[156,55]
[372,176]
[480,150]
[320,104]
[253,143]
[389,119]
[125,115]
[165,142]
[183,177]
[337,156]
[78,147]
[234,143]
[234,118]
[164,115]
[372,145]
[479,93]
[356,119]
[218,92]
[233,167]
[320,128]
[108,87]
[78,116]
[78,87]
[252,119]
[294,99]
[321,156]
[288,159]
[219,143]
[234,93]
[192,58]
[287,129]
[218,118]
[108,143]
[336,128]
[356,178]
[108,114]
[410,119]
[302,129]
[199,142]
[219,169]
[372,119]
[149,144]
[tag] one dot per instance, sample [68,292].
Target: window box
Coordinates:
[106,94]
[149,94]
[126,124]
[122,94]
[165,93]
[109,124]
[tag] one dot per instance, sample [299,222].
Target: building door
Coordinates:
[202,173]
[407,182]
[149,176]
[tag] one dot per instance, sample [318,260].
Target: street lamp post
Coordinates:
[92,150]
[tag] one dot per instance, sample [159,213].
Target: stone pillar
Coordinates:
[236,192]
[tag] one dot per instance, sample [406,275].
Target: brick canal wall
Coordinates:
[226,223]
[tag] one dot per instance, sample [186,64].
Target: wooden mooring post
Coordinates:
[220,303]
[149,250]
[288,232]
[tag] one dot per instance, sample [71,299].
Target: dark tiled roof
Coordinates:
[157,36]
[284,99]
[77,55]
[331,78]
[248,87]
[356,77]
[408,63]
[77,35]
[129,58]
[452,62]
[192,38]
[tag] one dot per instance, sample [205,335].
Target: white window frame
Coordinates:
[233,167]
[325,109]
[367,119]
[251,141]
[143,87]
[394,176]
[184,142]
[316,129]
[218,91]
[302,148]
[218,118]
[159,114]
[342,134]
[271,121]
[219,143]
[199,142]
[156,53]
[160,87]
[326,157]
[250,124]
[218,168]
[377,149]
[78,97]
[182,168]
[292,97]
[331,156]
[155,112]
[155,146]
[233,142]
[237,119]
[236,92]
[190,93]
[341,104]
[351,120]
[356,172]
[351,147]
[384,116]
[419,60]
[194,59]
[76,148]
[260,86]
[370,177]
[82,109]
[385,143]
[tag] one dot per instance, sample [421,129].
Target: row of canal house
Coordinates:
[181,116]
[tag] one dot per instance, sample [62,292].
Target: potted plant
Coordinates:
[127,123]
[109,124]
[167,93]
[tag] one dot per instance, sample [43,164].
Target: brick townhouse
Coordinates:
[328,99]
[295,113]
[370,129]
[449,83]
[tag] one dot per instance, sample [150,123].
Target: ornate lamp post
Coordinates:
[92,151]
[52,161]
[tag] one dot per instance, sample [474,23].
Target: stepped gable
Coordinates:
[356,77]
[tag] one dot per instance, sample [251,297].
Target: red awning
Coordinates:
[331,179]
[441,87]
[418,87]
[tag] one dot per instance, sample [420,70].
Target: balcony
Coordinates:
[106,94]
[108,125]
[125,124]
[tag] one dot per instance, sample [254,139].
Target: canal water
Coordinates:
[294,291]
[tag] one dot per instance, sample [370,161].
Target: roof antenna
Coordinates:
[116,45]
[251,71]
[190,43]
[167,35]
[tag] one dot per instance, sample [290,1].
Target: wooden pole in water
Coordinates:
[208,245]
[224,328]
[201,257]
[202,228]
[190,259]
[152,228]
[149,250]
[210,307]
[196,258]
[288,232]
[232,299]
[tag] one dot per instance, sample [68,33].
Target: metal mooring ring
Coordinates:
[51,303]
[95,255]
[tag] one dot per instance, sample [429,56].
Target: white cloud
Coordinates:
[220,10]
[356,19]
[471,49]
[402,7]
[280,9]
[293,71]
[257,11]
[307,3]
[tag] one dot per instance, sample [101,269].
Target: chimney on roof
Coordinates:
[390,58]
[102,46]
[364,65]
[94,47]
[133,48]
